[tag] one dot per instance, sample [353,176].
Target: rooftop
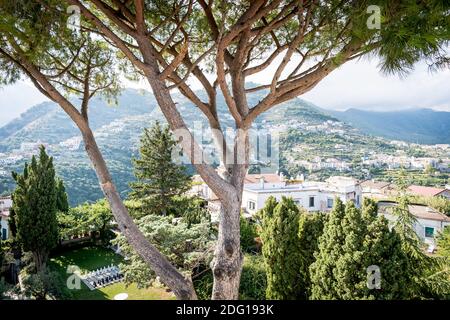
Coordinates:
[425,191]
[268,178]
[374,184]
[417,210]
[335,184]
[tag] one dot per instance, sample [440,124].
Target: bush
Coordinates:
[248,235]
[45,284]
[253,279]
[203,284]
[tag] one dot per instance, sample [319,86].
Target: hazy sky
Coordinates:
[357,84]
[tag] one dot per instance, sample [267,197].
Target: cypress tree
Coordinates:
[266,213]
[329,250]
[383,248]
[349,270]
[281,250]
[309,230]
[159,180]
[62,202]
[341,267]
[35,208]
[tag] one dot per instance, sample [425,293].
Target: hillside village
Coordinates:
[309,143]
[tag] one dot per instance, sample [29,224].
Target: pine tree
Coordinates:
[281,250]
[158,178]
[35,208]
[62,202]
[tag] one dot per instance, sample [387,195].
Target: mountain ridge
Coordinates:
[416,125]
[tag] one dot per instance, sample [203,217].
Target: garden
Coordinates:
[92,258]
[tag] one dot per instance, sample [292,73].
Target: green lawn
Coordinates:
[91,258]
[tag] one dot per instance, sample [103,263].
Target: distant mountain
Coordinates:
[424,126]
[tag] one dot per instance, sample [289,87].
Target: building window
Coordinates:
[3,234]
[357,200]
[298,202]
[311,202]
[251,205]
[429,232]
[330,203]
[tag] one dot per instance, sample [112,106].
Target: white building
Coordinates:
[5,205]
[311,195]
[429,221]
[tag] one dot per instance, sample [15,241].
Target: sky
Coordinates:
[356,84]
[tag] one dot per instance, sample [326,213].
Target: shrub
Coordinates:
[248,235]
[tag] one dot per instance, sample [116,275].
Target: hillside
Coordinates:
[423,126]
[307,132]
[117,128]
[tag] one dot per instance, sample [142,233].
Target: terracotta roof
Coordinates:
[425,191]
[268,178]
[417,210]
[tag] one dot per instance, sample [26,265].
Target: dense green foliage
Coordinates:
[253,279]
[281,249]
[429,276]
[159,179]
[354,240]
[188,248]
[35,208]
[95,220]
[309,230]
[248,235]
[443,243]
[42,285]
[62,201]
[191,209]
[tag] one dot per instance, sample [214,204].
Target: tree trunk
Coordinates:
[228,257]
[40,259]
[182,287]
[227,263]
